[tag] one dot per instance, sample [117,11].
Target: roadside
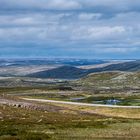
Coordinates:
[80,104]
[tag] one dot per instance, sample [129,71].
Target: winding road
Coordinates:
[79,104]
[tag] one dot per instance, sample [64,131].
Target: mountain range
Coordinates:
[71,72]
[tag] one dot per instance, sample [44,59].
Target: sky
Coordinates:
[93,29]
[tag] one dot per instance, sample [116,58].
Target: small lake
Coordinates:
[106,101]
[77,98]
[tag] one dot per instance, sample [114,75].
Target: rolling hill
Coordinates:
[70,72]
[63,72]
[126,66]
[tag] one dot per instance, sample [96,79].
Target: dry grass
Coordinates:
[105,111]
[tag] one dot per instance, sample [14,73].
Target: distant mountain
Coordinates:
[38,62]
[126,66]
[70,72]
[63,72]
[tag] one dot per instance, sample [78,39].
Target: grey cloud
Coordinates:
[84,23]
[85,5]
[40,5]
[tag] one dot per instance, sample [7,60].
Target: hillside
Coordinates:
[70,72]
[111,80]
[127,66]
[63,72]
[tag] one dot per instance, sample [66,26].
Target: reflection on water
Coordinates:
[77,98]
[108,102]
[112,101]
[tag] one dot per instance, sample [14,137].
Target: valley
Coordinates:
[70,101]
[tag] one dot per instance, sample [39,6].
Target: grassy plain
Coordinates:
[73,122]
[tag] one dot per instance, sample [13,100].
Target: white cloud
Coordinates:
[98,33]
[63,4]
[89,16]
[112,5]
[100,5]
[74,22]
[116,49]
[40,4]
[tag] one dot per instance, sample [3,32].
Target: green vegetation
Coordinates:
[75,96]
[111,80]
[69,122]
[17,123]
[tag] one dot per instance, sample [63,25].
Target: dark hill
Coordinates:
[70,72]
[64,72]
[127,66]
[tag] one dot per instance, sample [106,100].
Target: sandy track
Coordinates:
[29,105]
[80,104]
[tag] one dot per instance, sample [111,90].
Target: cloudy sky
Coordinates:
[96,29]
